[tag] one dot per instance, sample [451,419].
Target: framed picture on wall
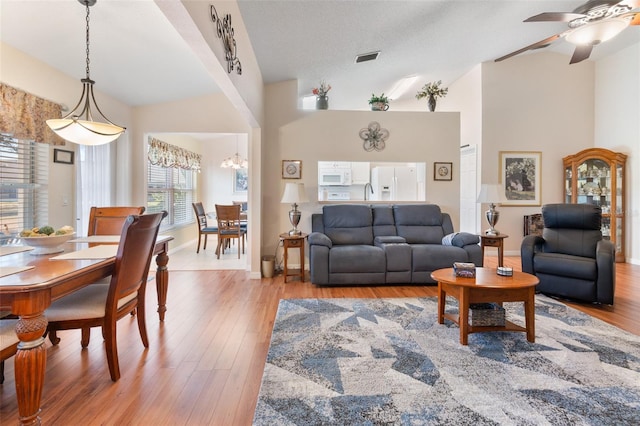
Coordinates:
[442,171]
[520,174]
[62,156]
[291,169]
[240,180]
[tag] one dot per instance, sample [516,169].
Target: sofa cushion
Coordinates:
[348,224]
[419,223]
[356,259]
[383,222]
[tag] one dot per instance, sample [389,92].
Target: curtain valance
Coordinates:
[167,155]
[24,116]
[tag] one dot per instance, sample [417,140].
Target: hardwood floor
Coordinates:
[204,364]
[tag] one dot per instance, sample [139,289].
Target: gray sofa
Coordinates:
[357,244]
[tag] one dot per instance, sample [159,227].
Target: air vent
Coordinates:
[367,57]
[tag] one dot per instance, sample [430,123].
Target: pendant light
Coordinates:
[78,126]
[235,161]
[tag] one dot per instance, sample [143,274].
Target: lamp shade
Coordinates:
[294,193]
[598,31]
[85,132]
[491,193]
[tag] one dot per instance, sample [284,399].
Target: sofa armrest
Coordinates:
[531,244]
[319,239]
[606,263]
[388,239]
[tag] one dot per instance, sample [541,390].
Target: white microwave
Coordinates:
[334,177]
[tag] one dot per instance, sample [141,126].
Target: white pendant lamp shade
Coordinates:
[598,31]
[79,126]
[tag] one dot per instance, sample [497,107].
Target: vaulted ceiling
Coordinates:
[138,57]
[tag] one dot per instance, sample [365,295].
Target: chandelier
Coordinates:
[235,161]
[78,126]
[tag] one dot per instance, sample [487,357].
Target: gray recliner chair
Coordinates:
[571,259]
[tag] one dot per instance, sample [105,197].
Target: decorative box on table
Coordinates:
[465,270]
[486,314]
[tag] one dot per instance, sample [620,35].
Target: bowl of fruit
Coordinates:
[46,240]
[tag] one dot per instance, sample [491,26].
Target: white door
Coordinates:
[468,193]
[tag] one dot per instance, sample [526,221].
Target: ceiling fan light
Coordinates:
[598,31]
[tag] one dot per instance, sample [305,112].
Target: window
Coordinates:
[171,189]
[24,172]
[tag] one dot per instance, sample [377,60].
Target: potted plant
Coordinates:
[432,91]
[379,103]
[322,100]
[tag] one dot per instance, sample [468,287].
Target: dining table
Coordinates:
[28,285]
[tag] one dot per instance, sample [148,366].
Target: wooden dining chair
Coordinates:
[101,305]
[109,220]
[8,342]
[229,227]
[203,227]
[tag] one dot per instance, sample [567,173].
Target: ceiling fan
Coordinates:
[590,24]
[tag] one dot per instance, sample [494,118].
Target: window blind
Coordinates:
[24,174]
[171,189]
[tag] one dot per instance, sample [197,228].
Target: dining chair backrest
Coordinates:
[201,215]
[229,226]
[228,218]
[109,220]
[133,259]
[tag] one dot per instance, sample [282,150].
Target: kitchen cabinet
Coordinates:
[360,173]
[596,176]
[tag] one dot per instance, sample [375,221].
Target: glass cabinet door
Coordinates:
[596,176]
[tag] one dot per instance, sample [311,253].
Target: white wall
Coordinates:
[535,102]
[617,118]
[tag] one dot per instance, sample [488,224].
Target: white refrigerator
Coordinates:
[394,184]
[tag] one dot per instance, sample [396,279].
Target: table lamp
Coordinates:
[294,193]
[491,194]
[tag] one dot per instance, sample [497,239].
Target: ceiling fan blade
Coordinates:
[554,17]
[537,45]
[581,53]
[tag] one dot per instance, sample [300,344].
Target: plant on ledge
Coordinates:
[322,90]
[432,91]
[379,103]
[322,100]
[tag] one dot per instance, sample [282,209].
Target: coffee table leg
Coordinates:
[463,316]
[530,315]
[442,299]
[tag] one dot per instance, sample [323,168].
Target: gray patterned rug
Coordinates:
[388,362]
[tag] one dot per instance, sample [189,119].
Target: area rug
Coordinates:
[388,362]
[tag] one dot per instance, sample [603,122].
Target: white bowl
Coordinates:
[47,245]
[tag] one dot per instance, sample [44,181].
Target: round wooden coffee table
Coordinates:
[487,286]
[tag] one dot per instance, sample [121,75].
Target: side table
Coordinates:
[293,241]
[494,241]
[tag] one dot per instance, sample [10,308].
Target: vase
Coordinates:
[322,102]
[379,106]
[431,103]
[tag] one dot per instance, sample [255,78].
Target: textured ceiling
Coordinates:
[139,58]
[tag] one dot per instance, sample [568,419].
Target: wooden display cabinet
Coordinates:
[596,176]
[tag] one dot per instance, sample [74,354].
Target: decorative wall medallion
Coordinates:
[225,32]
[374,137]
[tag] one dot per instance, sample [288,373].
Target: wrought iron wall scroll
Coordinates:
[225,33]
[374,137]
